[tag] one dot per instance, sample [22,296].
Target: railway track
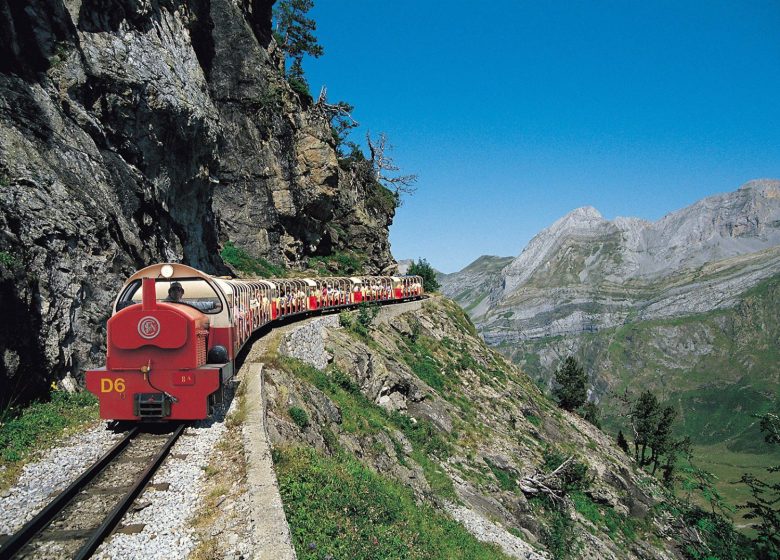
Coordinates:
[81,517]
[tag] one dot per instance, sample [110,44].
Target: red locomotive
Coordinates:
[175,333]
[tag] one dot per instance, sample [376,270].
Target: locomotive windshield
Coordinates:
[194,292]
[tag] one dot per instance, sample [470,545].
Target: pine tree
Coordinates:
[294,31]
[572,384]
[644,416]
[295,35]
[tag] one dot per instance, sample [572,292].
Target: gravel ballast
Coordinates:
[42,480]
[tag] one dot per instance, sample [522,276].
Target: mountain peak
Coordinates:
[584,213]
[762,184]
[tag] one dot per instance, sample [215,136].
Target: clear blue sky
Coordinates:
[513,113]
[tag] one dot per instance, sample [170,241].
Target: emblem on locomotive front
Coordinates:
[148,327]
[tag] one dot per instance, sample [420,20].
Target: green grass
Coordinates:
[419,357]
[382,199]
[605,518]
[362,417]
[728,466]
[506,479]
[39,425]
[339,263]
[244,262]
[336,506]
[533,419]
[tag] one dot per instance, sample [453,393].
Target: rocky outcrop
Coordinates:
[423,370]
[136,132]
[473,286]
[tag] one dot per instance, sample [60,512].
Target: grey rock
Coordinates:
[585,273]
[140,132]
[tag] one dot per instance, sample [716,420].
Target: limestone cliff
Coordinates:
[134,132]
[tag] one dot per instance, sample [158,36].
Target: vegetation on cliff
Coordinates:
[25,431]
[414,402]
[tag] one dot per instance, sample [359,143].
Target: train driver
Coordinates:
[176,295]
[175,292]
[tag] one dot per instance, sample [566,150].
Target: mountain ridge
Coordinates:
[585,272]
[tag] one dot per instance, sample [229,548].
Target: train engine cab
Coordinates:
[169,347]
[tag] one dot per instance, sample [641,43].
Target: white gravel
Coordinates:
[41,480]
[487,531]
[167,533]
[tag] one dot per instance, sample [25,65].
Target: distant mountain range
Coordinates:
[687,305]
[586,273]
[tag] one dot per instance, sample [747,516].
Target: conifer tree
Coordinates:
[621,441]
[644,416]
[572,384]
[424,269]
[294,31]
[295,35]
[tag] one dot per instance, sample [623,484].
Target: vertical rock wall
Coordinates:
[136,131]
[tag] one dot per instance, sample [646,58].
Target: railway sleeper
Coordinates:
[66,534]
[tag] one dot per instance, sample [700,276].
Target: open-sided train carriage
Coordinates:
[175,332]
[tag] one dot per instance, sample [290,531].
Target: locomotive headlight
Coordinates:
[166,271]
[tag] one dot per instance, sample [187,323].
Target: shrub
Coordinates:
[382,198]
[343,263]
[243,261]
[299,416]
[591,412]
[360,322]
[574,475]
[559,536]
[7,259]
[366,314]
[300,86]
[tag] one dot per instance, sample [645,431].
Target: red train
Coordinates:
[175,332]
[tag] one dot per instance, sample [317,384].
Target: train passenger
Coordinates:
[266,308]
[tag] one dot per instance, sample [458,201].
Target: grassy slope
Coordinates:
[475,385]
[337,506]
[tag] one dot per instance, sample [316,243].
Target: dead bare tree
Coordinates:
[340,113]
[385,168]
[545,483]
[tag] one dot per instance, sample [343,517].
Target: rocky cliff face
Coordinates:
[134,132]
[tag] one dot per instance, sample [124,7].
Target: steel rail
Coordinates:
[24,535]
[113,518]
